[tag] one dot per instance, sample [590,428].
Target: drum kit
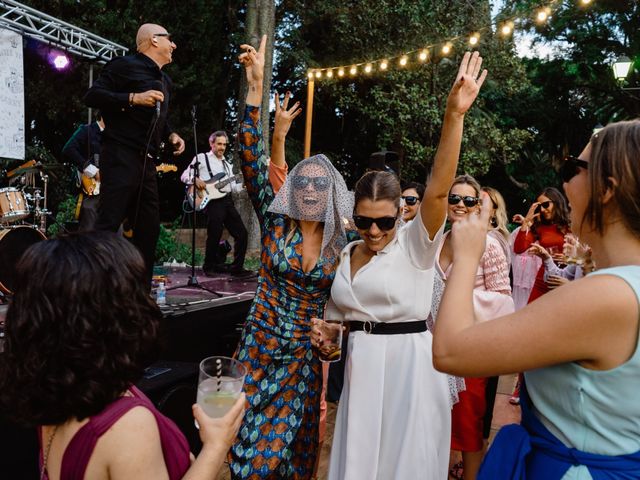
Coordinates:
[23,217]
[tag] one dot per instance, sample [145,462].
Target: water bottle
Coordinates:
[161,294]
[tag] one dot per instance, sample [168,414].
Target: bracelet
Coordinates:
[131,97]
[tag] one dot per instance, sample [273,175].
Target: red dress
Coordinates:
[548,236]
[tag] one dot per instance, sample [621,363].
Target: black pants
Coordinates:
[129,189]
[88,212]
[222,213]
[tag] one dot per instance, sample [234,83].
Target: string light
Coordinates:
[506,28]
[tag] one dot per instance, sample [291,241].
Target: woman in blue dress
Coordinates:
[302,233]
[578,344]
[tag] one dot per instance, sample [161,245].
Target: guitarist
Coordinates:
[83,150]
[220,212]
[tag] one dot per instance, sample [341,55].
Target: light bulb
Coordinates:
[341,72]
[329,73]
[423,55]
[403,60]
[446,49]
[367,69]
[318,74]
[473,39]
[383,65]
[353,70]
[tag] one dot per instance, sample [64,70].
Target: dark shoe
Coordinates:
[214,270]
[240,272]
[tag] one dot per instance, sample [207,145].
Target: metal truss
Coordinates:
[35,24]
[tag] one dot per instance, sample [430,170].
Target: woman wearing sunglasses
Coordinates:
[393,418]
[578,345]
[546,223]
[491,299]
[410,200]
[302,234]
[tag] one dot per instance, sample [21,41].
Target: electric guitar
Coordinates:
[211,190]
[91,185]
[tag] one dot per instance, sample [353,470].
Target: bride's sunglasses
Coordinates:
[468,201]
[410,200]
[571,167]
[383,223]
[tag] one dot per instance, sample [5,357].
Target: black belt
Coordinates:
[384,328]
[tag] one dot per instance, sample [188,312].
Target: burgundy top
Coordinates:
[175,448]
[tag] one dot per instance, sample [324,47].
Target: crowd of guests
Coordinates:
[420,275]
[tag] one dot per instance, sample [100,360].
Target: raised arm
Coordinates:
[251,148]
[462,95]
[284,117]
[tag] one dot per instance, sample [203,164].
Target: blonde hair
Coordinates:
[499,220]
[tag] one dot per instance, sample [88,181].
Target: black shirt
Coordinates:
[131,126]
[83,148]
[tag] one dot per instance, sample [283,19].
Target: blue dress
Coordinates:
[581,417]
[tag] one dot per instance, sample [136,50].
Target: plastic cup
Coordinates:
[220,383]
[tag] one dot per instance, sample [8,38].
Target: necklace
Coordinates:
[46,452]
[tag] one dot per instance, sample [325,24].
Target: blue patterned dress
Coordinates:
[279,435]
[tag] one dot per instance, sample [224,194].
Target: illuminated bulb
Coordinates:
[310,74]
[542,15]
[423,55]
[341,72]
[473,39]
[329,73]
[367,69]
[318,74]
[383,65]
[446,49]
[403,60]
[585,2]
[506,29]
[353,70]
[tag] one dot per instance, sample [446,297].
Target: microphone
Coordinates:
[159,86]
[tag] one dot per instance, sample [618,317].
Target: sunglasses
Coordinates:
[383,223]
[319,183]
[410,200]
[468,201]
[168,35]
[546,204]
[570,168]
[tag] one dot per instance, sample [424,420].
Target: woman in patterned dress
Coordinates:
[302,233]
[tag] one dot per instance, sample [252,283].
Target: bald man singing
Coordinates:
[133,94]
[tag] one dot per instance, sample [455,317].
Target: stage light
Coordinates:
[353,70]
[383,65]
[318,74]
[341,72]
[59,60]
[424,54]
[330,74]
[368,68]
[474,39]
[403,61]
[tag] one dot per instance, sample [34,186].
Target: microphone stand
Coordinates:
[193,279]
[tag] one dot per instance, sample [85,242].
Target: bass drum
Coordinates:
[13,243]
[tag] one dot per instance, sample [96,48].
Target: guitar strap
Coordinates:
[206,161]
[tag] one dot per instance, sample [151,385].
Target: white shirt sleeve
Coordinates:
[422,251]
[90,171]
[187,175]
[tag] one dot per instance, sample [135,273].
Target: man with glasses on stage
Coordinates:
[133,94]
[214,183]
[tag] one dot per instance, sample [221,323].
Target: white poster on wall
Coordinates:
[11,95]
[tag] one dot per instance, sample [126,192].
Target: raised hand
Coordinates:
[253,61]
[467,84]
[284,115]
[469,236]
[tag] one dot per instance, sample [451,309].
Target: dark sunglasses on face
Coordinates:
[410,200]
[319,183]
[468,201]
[383,223]
[168,35]
[546,204]
[570,168]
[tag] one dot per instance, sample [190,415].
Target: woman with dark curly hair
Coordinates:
[79,331]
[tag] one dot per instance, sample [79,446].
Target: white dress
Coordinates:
[394,416]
